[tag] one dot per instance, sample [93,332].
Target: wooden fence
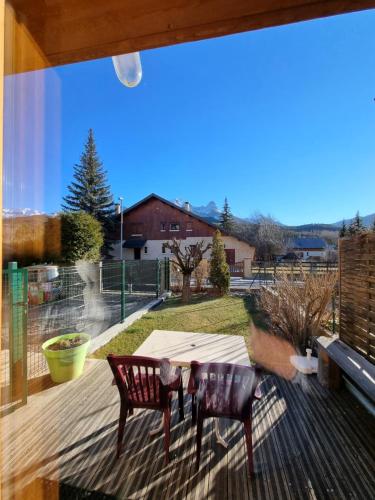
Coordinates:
[292,269]
[236,269]
[357,293]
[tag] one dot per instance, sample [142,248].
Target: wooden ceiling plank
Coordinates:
[68,31]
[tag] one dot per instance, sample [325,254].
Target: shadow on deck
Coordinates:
[308,443]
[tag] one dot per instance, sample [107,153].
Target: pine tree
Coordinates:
[356,226]
[226,218]
[219,269]
[343,230]
[89,191]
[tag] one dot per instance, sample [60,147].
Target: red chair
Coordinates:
[146,383]
[224,390]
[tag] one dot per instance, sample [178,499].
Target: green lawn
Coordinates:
[231,315]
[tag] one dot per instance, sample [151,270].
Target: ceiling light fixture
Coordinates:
[128,68]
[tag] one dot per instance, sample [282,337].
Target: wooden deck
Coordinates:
[309,443]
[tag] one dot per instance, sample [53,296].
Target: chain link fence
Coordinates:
[41,302]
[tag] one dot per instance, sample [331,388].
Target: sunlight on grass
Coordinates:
[231,315]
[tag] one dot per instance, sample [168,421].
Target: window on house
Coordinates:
[146,249]
[175,226]
[164,248]
[163,226]
[136,228]
[189,226]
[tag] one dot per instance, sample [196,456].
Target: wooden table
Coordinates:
[183,347]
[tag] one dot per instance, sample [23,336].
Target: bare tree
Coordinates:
[269,239]
[187,259]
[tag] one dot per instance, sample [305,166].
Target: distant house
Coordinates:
[153,221]
[313,248]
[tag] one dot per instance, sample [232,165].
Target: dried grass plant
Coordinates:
[296,310]
[201,274]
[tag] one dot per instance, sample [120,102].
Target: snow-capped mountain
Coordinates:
[209,211]
[20,212]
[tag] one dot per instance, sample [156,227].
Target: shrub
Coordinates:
[81,237]
[219,269]
[297,310]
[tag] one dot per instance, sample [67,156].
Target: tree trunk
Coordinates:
[186,292]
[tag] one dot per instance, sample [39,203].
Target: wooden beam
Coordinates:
[2,45]
[68,31]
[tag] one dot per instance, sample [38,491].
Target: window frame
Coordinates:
[137,227]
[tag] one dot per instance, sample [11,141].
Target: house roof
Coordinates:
[188,212]
[314,242]
[173,205]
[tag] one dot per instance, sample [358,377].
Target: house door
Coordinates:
[137,254]
[231,255]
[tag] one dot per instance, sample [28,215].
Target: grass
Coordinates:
[231,315]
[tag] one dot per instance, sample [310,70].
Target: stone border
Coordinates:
[114,330]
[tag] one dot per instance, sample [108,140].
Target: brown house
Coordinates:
[153,221]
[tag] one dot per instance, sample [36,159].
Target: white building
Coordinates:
[151,223]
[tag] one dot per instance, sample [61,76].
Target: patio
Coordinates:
[308,443]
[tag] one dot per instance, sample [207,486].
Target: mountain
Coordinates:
[311,228]
[20,212]
[210,212]
[368,220]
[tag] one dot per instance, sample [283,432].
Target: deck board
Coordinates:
[308,443]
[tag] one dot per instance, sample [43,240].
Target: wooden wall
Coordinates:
[357,293]
[31,239]
[153,212]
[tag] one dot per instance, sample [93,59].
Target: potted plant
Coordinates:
[66,355]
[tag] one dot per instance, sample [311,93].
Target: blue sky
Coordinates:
[280,121]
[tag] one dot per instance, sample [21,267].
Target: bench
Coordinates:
[336,357]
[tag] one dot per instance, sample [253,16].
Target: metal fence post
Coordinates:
[18,296]
[100,277]
[167,275]
[157,278]
[123,284]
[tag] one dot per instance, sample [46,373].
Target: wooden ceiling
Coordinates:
[53,32]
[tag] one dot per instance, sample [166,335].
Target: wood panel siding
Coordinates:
[357,293]
[52,33]
[153,213]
